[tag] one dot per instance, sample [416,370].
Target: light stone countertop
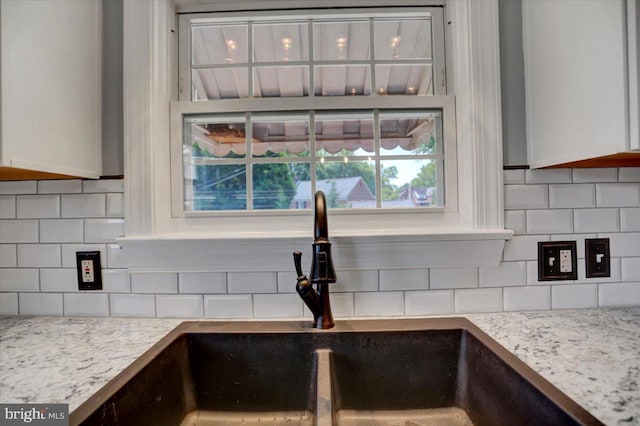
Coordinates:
[591,355]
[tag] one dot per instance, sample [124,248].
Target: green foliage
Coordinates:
[389,191]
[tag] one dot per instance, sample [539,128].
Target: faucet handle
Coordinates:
[297,260]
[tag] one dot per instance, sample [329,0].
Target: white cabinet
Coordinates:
[581,81]
[51,88]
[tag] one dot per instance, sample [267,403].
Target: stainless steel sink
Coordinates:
[441,371]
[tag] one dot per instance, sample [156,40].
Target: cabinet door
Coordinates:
[51,91]
[576,84]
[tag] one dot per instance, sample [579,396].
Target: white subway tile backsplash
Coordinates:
[115,205]
[618,194]
[116,281]
[61,231]
[18,187]
[381,304]
[86,304]
[58,280]
[103,230]
[103,185]
[18,231]
[285,305]
[154,282]
[37,206]
[230,306]
[22,279]
[619,294]
[40,304]
[70,186]
[287,282]
[202,282]
[448,278]
[507,274]
[39,256]
[523,247]
[549,221]
[83,205]
[596,220]
[630,267]
[342,305]
[623,244]
[512,177]
[132,305]
[527,298]
[116,257]
[478,300]
[519,197]
[252,282]
[7,207]
[574,296]
[8,256]
[515,220]
[9,304]
[564,196]
[356,281]
[439,302]
[629,174]
[595,175]
[548,176]
[179,306]
[69,253]
[630,219]
[404,279]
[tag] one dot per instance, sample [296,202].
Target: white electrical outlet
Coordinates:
[87,271]
[565,261]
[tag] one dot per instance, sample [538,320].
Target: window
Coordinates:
[276,107]
[161,235]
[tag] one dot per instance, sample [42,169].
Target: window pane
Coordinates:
[219,44]
[277,42]
[410,134]
[402,39]
[287,137]
[342,80]
[344,136]
[275,187]
[274,82]
[341,41]
[404,79]
[347,184]
[411,183]
[220,83]
[215,138]
[216,187]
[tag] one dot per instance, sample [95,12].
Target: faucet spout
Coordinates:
[322,271]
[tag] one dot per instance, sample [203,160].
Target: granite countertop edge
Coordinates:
[592,355]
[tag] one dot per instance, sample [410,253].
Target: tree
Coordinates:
[427,178]
[389,190]
[224,186]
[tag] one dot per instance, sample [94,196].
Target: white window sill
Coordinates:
[270,251]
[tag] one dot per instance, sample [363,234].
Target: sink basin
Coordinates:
[442,371]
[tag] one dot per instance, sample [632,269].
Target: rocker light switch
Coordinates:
[557,260]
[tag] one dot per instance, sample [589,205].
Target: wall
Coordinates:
[43,223]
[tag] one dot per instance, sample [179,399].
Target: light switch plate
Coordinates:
[597,257]
[557,260]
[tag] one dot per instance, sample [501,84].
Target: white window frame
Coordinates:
[157,241]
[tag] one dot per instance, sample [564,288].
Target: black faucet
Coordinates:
[322,273]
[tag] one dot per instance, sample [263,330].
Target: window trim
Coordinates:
[149,29]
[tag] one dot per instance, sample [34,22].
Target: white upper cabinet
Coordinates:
[581,82]
[51,88]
